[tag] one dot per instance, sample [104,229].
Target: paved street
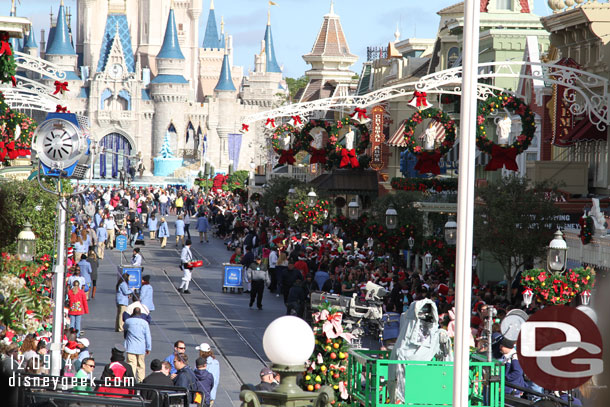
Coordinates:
[173,320]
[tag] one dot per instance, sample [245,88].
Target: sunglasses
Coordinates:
[181,347]
[91,365]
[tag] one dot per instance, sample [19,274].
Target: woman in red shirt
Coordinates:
[77,306]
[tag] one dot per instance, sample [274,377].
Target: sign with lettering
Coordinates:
[562,118]
[377,138]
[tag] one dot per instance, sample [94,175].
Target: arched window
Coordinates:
[118,149]
[124,100]
[105,99]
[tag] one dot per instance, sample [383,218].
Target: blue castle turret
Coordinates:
[211,39]
[60,50]
[225,82]
[271,62]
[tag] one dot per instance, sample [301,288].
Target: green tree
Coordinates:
[294,85]
[514,223]
[25,201]
[275,193]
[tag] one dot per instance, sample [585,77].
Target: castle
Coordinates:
[142,77]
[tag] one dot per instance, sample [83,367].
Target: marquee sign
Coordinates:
[377,137]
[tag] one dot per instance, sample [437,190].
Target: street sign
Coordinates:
[135,276]
[121,243]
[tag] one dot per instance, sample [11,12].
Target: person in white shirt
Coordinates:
[185,258]
[272,264]
[136,259]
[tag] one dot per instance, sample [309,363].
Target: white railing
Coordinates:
[596,253]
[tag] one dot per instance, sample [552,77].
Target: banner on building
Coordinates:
[234,148]
[377,138]
[562,119]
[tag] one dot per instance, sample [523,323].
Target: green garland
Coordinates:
[587,227]
[333,148]
[438,115]
[307,216]
[558,288]
[280,132]
[8,67]
[515,106]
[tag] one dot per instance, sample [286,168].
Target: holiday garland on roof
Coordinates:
[558,288]
[328,364]
[504,156]
[8,67]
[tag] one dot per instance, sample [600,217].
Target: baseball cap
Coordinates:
[84,341]
[204,347]
[265,371]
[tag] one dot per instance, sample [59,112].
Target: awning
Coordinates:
[363,182]
[398,139]
[584,130]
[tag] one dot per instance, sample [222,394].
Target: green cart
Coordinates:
[426,383]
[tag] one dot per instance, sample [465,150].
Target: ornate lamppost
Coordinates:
[391,218]
[26,243]
[312,199]
[353,209]
[557,254]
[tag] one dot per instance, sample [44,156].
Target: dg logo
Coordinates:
[560,348]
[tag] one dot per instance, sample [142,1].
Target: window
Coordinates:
[180,27]
[504,4]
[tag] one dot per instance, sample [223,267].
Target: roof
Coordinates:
[170,48]
[331,40]
[225,82]
[317,89]
[114,23]
[271,64]
[145,95]
[365,79]
[169,79]
[211,39]
[348,181]
[30,40]
[84,93]
[61,43]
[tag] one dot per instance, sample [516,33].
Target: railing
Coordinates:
[426,383]
[595,254]
[190,154]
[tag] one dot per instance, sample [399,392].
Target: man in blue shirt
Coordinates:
[137,343]
[179,347]
[102,235]
[85,271]
[122,300]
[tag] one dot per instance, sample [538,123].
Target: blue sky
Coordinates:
[295,24]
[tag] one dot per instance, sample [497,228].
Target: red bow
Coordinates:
[420,99]
[427,162]
[502,157]
[287,157]
[245,127]
[270,122]
[60,87]
[296,120]
[61,109]
[14,81]
[8,148]
[5,48]
[359,113]
[348,157]
[317,156]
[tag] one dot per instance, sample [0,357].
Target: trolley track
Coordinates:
[217,342]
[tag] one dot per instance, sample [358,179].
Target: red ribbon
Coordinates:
[5,48]
[420,98]
[317,156]
[13,81]
[348,157]
[359,113]
[60,87]
[61,109]
[502,157]
[245,127]
[8,148]
[427,162]
[270,122]
[287,157]
[296,120]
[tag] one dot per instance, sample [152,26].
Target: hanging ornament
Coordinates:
[297,122]
[420,101]
[244,128]
[360,116]
[270,124]
[528,295]
[60,87]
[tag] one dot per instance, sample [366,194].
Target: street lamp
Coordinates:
[26,243]
[585,297]
[474,261]
[325,214]
[411,242]
[391,218]
[428,260]
[312,198]
[277,210]
[451,232]
[352,209]
[558,249]
[296,216]
[292,191]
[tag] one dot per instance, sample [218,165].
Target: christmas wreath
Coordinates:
[586,229]
[8,67]
[318,155]
[389,239]
[328,364]
[339,156]
[504,156]
[558,288]
[16,132]
[424,184]
[300,214]
[277,143]
[427,161]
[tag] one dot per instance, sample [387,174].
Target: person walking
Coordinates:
[273,258]
[110,226]
[163,232]
[205,379]
[137,343]
[94,263]
[206,352]
[136,259]
[185,258]
[102,236]
[268,382]
[187,224]
[122,300]
[259,277]
[203,227]
[146,293]
[85,271]
[180,230]
[153,225]
[77,306]
[186,378]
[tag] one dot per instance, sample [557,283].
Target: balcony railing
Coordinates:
[595,254]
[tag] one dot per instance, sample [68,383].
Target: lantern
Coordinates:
[291,191]
[26,243]
[411,242]
[296,216]
[528,295]
[352,209]
[557,251]
[451,232]
[428,259]
[312,198]
[277,210]
[391,218]
[325,213]
[585,297]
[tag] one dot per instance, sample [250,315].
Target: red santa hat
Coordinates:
[443,289]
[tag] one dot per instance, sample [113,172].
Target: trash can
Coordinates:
[232,280]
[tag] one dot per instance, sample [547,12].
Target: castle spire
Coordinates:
[170,47]
[61,44]
[271,62]
[221,40]
[30,40]
[225,82]
[211,39]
